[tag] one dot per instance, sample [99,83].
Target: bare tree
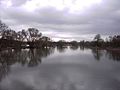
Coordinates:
[33,34]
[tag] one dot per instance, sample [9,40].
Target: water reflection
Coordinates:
[25,57]
[74,47]
[76,72]
[113,55]
[82,48]
[30,57]
[97,53]
[4,69]
[61,49]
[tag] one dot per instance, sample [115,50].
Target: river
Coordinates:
[68,68]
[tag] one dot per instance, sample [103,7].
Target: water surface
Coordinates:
[70,68]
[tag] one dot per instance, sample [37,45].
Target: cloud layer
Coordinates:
[64,19]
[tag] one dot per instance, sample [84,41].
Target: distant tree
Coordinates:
[74,43]
[116,41]
[45,38]
[98,40]
[97,37]
[9,34]
[22,35]
[61,43]
[45,41]
[82,43]
[110,38]
[19,36]
[3,26]
[33,34]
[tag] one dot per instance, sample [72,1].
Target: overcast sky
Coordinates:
[63,19]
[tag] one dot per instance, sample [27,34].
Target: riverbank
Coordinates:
[113,49]
[106,48]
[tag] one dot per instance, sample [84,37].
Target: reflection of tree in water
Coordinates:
[73,47]
[61,49]
[33,59]
[5,63]
[97,53]
[4,69]
[35,55]
[82,48]
[113,55]
[29,57]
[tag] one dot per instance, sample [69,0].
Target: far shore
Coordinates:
[113,49]
[106,48]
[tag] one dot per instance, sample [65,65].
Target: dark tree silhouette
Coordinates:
[98,40]
[3,26]
[33,34]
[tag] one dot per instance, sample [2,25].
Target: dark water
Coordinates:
[59,69]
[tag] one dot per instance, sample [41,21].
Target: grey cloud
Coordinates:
[18,2]
[48,15]
[103,19]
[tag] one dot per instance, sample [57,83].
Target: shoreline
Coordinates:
[113,49]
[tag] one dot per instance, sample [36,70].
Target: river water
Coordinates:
[70,68]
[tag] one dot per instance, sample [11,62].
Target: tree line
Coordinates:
[32,38]
[109,42]
[25,38]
